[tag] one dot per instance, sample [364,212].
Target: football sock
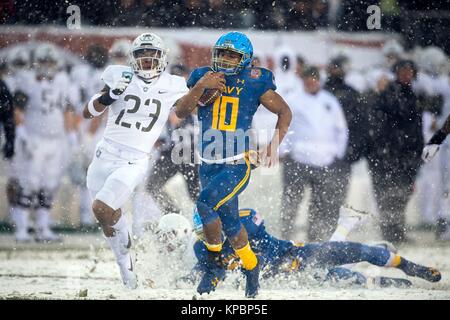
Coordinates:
[394,260]
[120,242]
[247,256]
[42,219]
[19,217]
[214,247]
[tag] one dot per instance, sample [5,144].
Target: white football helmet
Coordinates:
[393,47]
[433,60]
[174,230]
[119,52]
[18,58]
[46,59]
[148,56]
[393,52]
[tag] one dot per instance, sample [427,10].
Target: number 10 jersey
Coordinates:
[137,118]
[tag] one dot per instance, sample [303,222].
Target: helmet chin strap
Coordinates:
[147,80]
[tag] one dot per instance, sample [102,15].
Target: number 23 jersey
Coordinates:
[137,118]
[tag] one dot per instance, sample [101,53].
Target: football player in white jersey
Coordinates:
[44,128]
[139,99]
[18,77]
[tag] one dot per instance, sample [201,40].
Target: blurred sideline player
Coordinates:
[139,99]
[380,76]
[225,168]
[434,180]
[88,82]
[46,128]
[19,76]
[430,150]
[19,64]
[7,123]
[286,257]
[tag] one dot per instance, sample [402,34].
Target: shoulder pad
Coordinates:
[259,73]
[113,73]
[201,70]
[174,83]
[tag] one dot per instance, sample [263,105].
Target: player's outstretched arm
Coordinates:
[432,147]
[276,104]
[186,104]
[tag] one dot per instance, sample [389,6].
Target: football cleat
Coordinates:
[23,237]
[417,270]
[47,236]
[129,278]
[252,281]
[210,280]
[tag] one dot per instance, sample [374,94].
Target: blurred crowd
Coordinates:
[348,15]
[341,116]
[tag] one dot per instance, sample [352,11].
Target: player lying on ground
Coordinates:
[432,147]
[284,257]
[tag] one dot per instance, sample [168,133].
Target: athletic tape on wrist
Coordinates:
[91,108]
[112,95]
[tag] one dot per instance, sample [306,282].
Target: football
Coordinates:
[209,96]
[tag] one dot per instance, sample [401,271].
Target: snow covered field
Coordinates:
[78,271]
[83,268]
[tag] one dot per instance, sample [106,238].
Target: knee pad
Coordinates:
[231,226]
[206,212]
[114,194]
[209,197]
[13,191]
[45,199]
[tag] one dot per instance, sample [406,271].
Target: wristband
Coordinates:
[112,95]
[91,108]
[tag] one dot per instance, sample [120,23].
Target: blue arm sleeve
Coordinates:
[196,74]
